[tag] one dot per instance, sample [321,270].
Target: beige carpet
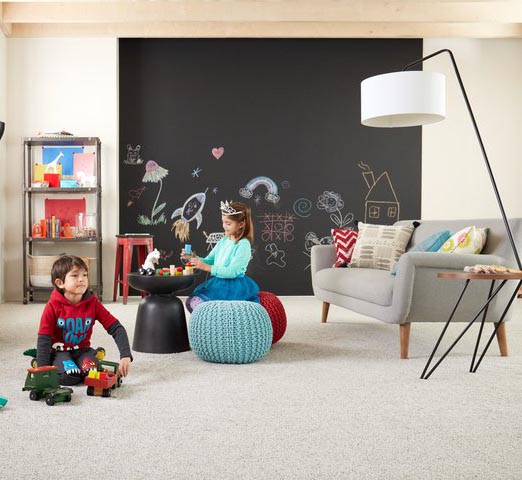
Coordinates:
[328,402]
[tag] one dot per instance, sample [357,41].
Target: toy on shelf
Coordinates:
[43,382]
[148,266]
[3,402]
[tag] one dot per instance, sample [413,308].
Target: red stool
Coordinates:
[124,248]
[276,312]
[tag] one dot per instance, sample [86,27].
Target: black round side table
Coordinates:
[161,326]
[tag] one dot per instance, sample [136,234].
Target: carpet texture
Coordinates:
[329,401]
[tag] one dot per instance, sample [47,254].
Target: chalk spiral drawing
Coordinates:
[270,196]
[218,152]
[277,226]
[133,155]
[285,184]
[275,256]
[303,207]
[213,238]
[332,203]
[154,174]
[135,195]
[190,211]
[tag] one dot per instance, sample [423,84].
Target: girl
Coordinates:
[228,260]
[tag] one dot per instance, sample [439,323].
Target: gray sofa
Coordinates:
[415,294]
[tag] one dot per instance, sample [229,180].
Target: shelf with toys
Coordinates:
[61,204]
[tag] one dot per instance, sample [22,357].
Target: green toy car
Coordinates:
[43,382]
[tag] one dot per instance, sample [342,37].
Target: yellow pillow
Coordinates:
[468,240]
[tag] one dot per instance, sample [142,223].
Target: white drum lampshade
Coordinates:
[403,99]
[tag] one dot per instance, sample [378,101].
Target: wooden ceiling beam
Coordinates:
[359,11]
[270,30]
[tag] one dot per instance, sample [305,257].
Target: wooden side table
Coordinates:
[467,277]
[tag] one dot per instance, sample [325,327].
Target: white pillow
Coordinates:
[468,240]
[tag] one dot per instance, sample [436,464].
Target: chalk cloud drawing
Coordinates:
[135,194]
[381,204]
[154,174]
[270,196]
[277,226]
[133,155]
[303,207]
[213,238]
[190,211]
[218,152]
[332,203]
[275,256]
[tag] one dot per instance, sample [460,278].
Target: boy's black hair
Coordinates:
[64,265]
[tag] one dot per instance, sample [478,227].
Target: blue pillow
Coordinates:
[431,244]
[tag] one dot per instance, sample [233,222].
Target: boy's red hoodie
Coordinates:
[72,324]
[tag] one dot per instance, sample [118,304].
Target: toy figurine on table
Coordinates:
[148,268]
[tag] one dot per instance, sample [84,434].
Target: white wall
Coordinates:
[455,183]
[71,84]
[61,84]
[3,117]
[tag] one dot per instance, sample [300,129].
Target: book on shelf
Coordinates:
[60,134]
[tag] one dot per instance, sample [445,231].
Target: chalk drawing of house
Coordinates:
[381,204]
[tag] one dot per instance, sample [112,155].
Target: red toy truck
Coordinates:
[100,383]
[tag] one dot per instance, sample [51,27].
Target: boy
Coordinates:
[67,322]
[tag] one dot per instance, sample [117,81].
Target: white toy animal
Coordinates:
[151,260]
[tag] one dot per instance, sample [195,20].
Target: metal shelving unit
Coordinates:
[34,195]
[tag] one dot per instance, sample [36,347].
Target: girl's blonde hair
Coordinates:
[244,216]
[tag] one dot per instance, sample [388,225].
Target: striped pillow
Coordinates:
[344,240]
[380,246]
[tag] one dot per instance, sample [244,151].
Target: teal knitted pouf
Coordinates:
[225,331]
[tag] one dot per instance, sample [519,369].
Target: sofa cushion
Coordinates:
[344,240]
[468,240]
[368,284]
[380,246]
[430,244]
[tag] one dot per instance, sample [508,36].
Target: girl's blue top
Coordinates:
[229,259]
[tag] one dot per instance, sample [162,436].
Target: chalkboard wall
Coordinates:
[274,123]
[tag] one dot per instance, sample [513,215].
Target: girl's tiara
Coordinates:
[227,209]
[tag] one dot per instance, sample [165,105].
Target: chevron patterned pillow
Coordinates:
[344,240]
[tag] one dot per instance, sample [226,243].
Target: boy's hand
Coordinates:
[124,366]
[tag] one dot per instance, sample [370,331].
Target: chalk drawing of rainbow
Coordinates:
[270,196]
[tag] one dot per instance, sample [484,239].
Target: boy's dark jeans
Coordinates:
[73,365]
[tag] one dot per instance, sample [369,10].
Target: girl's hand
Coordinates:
[200,264]
[185,256]
[124,366]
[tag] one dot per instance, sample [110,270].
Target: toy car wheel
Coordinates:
[68,398]
[90,391]
[120,381]
[106,392]
[100,353]
[33,395]
[49,399]
[33,363]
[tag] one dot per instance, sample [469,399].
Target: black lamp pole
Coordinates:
[2,127]
[482,148]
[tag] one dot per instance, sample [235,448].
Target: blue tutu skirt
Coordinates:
[239,288]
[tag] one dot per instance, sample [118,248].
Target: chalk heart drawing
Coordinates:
[218,152]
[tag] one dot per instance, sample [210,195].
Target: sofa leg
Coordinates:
[502,339]
[326,307]
[405,339]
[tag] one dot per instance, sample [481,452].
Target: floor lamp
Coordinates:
[412,98]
